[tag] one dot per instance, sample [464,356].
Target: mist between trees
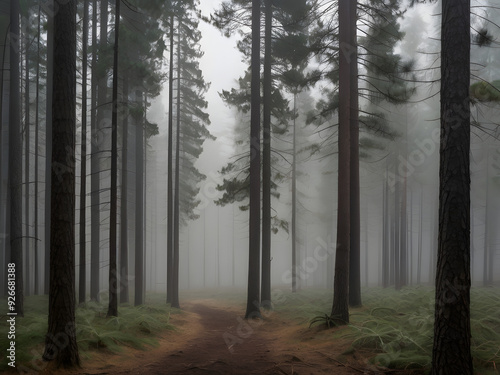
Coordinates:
[320,159]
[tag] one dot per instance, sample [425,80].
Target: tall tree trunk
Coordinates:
[266,162]
[175,259]
[452,335]
[15,159]
[37,124]
[62,251]
[48,143]
[386,233]
[294,197]
[139,211]
[170,197]
[403,253]
[3,207]
[83,165]
[113,277]
[124,286]
[486,225]
[397,224]
[94,168]
[102,88]
[253,291]
[27,119]
[420,229]
[355,215]
[347,14]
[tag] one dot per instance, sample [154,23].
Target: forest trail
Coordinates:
[212,338]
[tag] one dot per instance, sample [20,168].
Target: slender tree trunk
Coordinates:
[37,124]
[452,334]
[170,197]
[420,229]
[253,292]
[139,211]
[27,190]
[266,162]
[124,290]
[113,277]
[385,234]
[397,225]
[355,237]
[403,260]
[294,198]
[175,260]
[62,251]
[15,159]
[340,306]
[94,169]
[83,168]
[48,144]
[486,225]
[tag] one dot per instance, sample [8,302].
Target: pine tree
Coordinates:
[62,251]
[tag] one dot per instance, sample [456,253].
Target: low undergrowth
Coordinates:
[136,327]
[395,328]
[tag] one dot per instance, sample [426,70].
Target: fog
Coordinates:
[401,165]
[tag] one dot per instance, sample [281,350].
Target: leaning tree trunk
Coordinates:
[62,226]
[253,292]
[452,334]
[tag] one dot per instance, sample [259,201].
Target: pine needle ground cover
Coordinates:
[136,327]
[394,329]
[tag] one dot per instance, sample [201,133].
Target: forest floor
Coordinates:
[212,338]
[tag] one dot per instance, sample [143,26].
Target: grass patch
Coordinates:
[136,327]
[395,328]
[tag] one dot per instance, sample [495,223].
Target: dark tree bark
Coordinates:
[355,241]
[253,296]
[139,210]
[113,278]
[124,287]
[340,306]
[452,335]
[83,165]
[95,215]
[48,143]
[62,252]
[37,130]
[27,151]
[170,195]
[266,162]
[15,159]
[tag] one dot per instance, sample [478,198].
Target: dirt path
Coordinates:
[214,339]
